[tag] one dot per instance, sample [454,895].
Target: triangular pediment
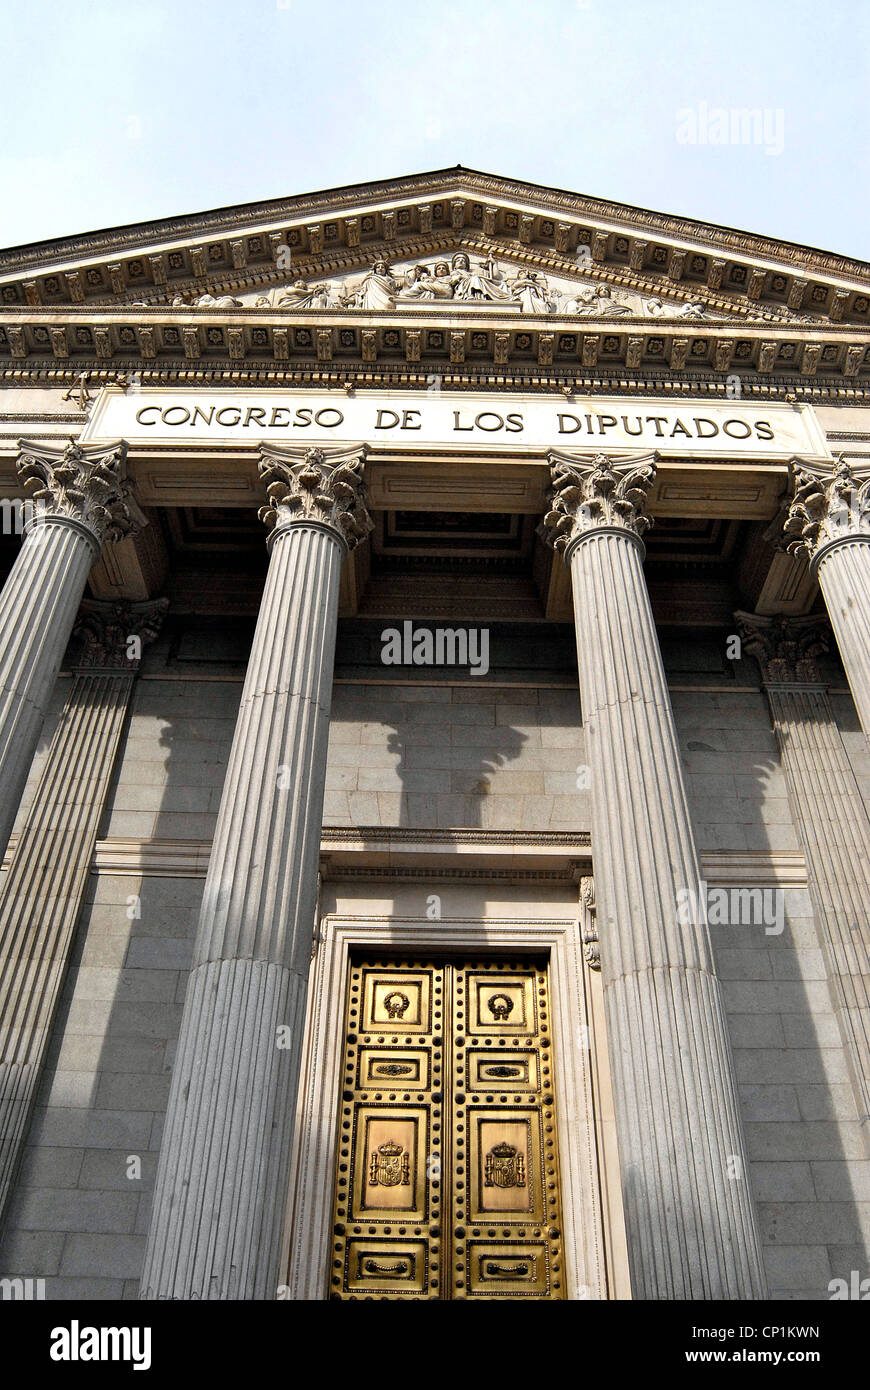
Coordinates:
[547,227]
[454,266]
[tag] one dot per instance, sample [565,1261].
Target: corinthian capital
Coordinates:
[111,635]
[785,648]
[592,492]
[828,504]
[316,485]
[84,484]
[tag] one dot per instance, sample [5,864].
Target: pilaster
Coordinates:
[41,894]
[830,816]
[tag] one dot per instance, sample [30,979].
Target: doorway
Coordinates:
[447,1170]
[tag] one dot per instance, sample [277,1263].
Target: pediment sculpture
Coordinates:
[464,280]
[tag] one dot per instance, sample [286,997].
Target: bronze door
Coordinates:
[447,1175]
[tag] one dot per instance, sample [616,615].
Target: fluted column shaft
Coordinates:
[83,499]
[221,1191]
[844,579]
[836,836]
[688,1210]
[41,894]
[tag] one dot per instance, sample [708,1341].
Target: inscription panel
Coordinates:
[519,424]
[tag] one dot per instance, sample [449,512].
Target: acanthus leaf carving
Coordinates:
[591,492]
[103,631]
[320,485]
[828,504]
[785,647]
[85,484]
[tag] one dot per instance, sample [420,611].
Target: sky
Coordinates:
[122,111]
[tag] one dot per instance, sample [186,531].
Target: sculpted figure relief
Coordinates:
[465,280]
[207,301]
[376,290]
[483,281]
[298,296]
[595,302]
[532,291]
[694,310]
[427,282]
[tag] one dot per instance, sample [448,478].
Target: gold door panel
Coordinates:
[446,1182]
[390,1163]
[506,1003]
[379,1066]
[395,1000]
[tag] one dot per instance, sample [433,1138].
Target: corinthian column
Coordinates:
[829,812]
[688,1211]
[829,522]
[83,499]
[221,1190]
[41,895]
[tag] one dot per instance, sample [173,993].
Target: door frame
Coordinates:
[308,1236]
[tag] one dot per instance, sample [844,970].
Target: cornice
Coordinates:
[346,261]
[445,183]
[394,835]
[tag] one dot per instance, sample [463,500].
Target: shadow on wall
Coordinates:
[79,1218]
[448,785]
[444,749]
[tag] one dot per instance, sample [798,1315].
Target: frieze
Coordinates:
[415,372]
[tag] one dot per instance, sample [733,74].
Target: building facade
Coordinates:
[435,791]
